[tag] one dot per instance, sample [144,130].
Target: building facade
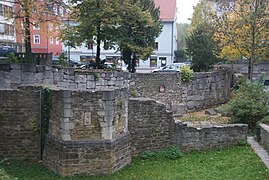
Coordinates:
[165,43]
[7,30]
[44,29]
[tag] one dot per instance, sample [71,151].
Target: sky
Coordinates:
[185,10]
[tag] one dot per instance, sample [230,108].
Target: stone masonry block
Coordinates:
[73,86]
[15,66]
[108,95]
[82,86]
[58,77]
[80,78]
[91,84]
[66,94]
[38,78]
[28,68]
[67,113]
[48,75]
[15,76]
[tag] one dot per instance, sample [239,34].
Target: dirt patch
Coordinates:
[201,118]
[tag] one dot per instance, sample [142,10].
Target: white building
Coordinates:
[165,43]
[7,30]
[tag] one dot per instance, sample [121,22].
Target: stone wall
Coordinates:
[188,138]
[265,135]
[69,158]
[15,75]
[204,90]
[88,132]
[19,123]
[150,125]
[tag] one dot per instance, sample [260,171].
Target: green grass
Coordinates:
[238,162]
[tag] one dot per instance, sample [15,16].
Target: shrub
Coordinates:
[186,73]
[249,104]
[12,58]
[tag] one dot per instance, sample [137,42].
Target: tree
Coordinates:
[201,15]
[202,48]
[180,55]
[182,33]
[243,31]
[29,13]
[98,21]
[200,45]
[139,27]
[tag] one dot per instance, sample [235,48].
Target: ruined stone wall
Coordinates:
[188,138]
[88,132]
[150,125]
[204,90]
[91,157]
[19,123]
[265,135]
[15,75]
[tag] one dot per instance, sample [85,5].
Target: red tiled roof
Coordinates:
[167,9]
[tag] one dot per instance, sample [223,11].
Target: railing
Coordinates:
[37,58]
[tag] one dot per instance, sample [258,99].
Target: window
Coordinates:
[51,40]
[57,41]
[163,61]
[36,39]
[8,29]
[90,46]
[156,46]
[153,61]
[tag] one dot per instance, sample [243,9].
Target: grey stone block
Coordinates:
[58,77]
[16,76]
[73,86]
[48,75]
[80,79]
[48,81]
[82,86]
[4,67]
[38,78]
[28,67]
[108,95]
[66,94]
[91,85]
[15,66]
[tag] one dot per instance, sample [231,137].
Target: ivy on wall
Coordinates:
[45,116]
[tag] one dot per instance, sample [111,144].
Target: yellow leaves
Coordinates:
[229,52]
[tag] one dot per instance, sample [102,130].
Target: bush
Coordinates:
[186,73]
[249,104]
[12,58]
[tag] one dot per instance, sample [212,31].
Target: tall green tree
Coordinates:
[183,31]
[200,44]
[201,15]
[202,49]
[243,30]
[139,27]
[97,22]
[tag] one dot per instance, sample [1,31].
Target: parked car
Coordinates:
[168,68]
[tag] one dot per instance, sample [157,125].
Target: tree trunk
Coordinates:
[133,64]
[27,34]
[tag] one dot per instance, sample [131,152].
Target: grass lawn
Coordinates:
[238,162]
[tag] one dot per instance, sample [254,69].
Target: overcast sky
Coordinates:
[185,10]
